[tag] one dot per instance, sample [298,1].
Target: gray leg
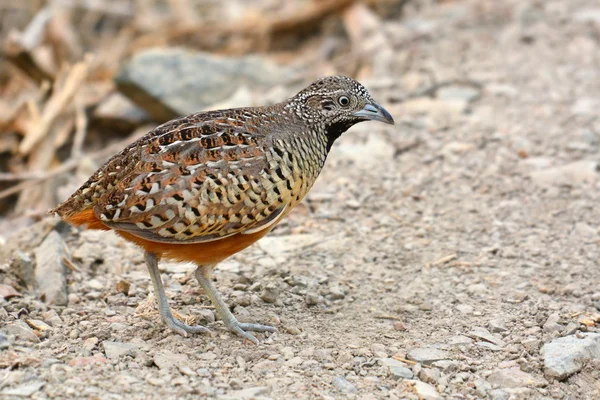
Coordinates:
[163,304]
[203,276]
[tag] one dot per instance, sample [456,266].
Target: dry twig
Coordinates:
[19,46]
[59,100]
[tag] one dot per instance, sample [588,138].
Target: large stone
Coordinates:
[427,355]
[23,390]
[22,331]
[343,385]
[7,291]
[514,377]
[172,82]
[167,359]
[396,369]
[50,271]
[566,355]
[424,390]
[119,113]
[23,266]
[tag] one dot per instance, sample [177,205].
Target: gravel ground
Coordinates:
[453,255]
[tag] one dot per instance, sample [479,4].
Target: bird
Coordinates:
[202,187]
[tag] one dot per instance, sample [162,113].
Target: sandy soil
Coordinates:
[433,259]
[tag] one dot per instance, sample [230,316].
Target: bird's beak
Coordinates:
[373,111]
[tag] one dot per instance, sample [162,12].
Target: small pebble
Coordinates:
[312,299]
[270,293]
[399,326]
[343,385]
[236,384]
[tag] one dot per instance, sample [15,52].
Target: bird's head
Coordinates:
[339,102]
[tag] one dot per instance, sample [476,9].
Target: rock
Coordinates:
[430,375]
[484,334]
[22,331]
[8,292]
[117,112]
[270,293]
[566,355]
[117,326]
[24,268]
[399,326]
[489,346]
[497,325]
[114,350]
[460,340]
[341,384]
[427,355]
[52,318]
[424,390]
[312,299]
[236,383]
[396,369]
[551,325]
[399,372]
[94,284]
[263,366]
[294,362]
[513,378]
[38,325]
[166,83]
[336,293]
[287,352]
[167,359]
[24,390]
[578,172]
[447,366]
[482,387]
[50,271]
[90,343]
[206,316]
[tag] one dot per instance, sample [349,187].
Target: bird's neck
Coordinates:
[335,130]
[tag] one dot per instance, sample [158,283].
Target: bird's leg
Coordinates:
[163,304]
[203,276]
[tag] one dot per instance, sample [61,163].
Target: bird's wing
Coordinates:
[196,179]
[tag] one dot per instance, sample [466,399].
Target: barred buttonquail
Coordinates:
[203,187]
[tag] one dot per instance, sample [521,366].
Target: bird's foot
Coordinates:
[241,328]
[184,329]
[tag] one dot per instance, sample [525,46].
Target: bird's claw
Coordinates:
[241,329]
[184,329]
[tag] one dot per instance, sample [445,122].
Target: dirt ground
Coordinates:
[433,259]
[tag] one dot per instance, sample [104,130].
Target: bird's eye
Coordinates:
[344,100]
